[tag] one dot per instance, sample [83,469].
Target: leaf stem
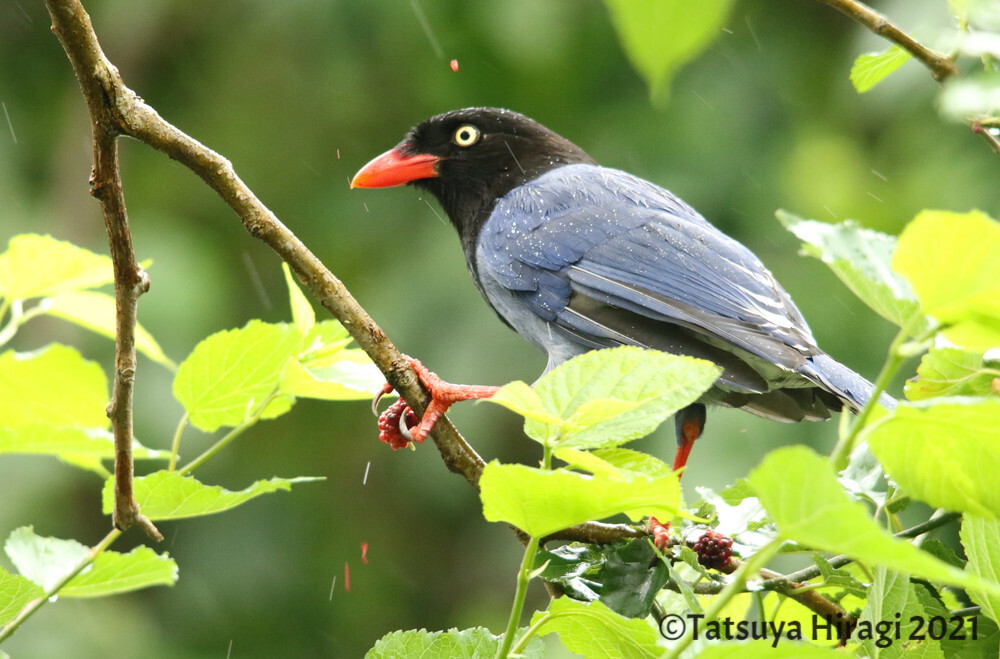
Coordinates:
[176,444]
[893,362]
[523,577]
[228,437]
[29,609]
[733,588]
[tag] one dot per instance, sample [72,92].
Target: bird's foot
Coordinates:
[660,533]
[398,425]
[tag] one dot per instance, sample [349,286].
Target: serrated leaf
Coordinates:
[631,577]
[634,461]
[475,643]
[950,259]
[43,560]
[951,372]
[169,495]
[893,597]
[540,502]
[54,385]
[946,454]
[96,312]
[15,592]
[593,630]
[799,490]
[344,380]
[113,572]
[981,540]
[768,650]
[41,266]
[303,315]
[659,383]
[521,399]
[862,259]
[231,373]
[661,36]
[67,441]
[872,68]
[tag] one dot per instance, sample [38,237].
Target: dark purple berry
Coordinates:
[714,550]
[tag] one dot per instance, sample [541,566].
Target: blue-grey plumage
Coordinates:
[575,256]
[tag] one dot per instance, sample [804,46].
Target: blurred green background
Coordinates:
[299,95]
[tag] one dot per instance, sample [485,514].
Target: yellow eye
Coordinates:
[466,135]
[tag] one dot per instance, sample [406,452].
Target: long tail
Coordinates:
[836,378]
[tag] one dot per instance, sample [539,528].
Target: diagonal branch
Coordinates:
[117,110]
[941,66]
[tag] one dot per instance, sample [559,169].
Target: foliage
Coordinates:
[53,403]
[936,283]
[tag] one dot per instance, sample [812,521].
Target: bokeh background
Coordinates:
[299,95]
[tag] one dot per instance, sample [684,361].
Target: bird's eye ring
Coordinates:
[466,135]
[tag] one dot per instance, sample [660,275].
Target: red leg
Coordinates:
[395,426]
[690,423]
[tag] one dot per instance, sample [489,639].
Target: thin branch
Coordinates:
[941,66]
[131,281]
[123,112]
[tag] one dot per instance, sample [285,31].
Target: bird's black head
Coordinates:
[470,158]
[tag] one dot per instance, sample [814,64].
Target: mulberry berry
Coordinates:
[714,550]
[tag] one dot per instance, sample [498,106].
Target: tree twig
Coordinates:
[131,281]
[941,66]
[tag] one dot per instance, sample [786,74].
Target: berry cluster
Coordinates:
[389,426]
[714,550]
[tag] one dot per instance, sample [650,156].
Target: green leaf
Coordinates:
[981,540]
[476,643]
[15,592]
[951,261]
[96,312]
[43,560]
[521,399]
[952,372]
[634,461]
[799,489]
[540,502]
[946,454]
[231,373]
[54,385]
[84,447]
[594,630]
[862,259]
[767,650]
[169,495]
[657,383]
[40,266]
[113,572]
[893,597]
[632,577]
[661,36]
[873,68]
[302,312]
[343,380]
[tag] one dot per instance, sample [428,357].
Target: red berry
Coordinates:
[714,550]
[388,424]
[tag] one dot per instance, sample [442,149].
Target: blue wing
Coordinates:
[608,259]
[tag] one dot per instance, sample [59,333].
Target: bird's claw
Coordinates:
[399,425]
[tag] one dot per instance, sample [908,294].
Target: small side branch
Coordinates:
[73,30]
[940,66]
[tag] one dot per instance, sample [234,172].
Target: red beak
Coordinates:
[395,168]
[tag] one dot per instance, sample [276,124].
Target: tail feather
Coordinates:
[841,381]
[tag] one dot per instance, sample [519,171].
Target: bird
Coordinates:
[574,256]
